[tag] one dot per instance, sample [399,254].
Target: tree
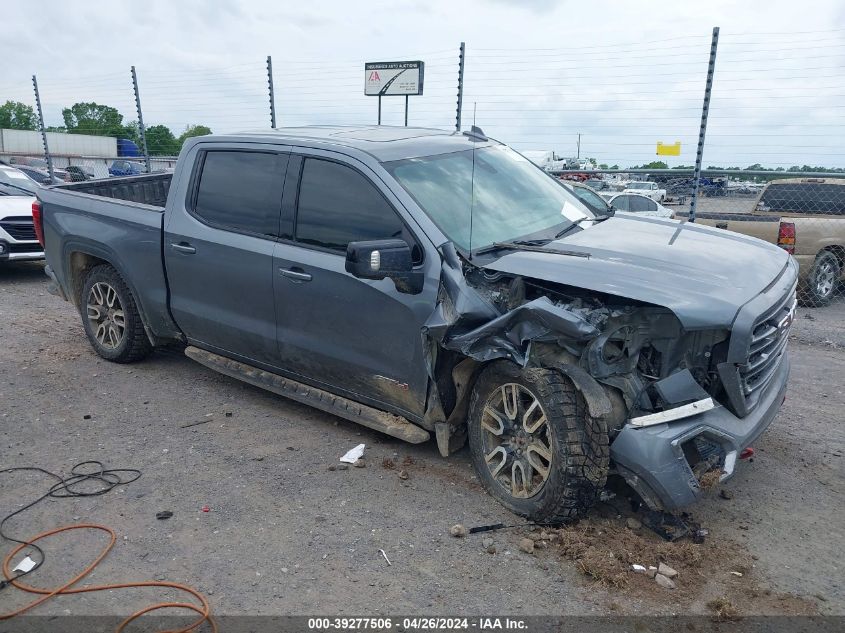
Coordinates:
[93,118]
[655,164]
[161,142]
[15,115]
[191,131]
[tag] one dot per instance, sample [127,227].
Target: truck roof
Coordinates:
[383,142]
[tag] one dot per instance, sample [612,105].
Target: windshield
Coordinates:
[512,197]
[639,185]
[18,180]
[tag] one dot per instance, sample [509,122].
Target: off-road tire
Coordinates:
[812,293]
[134,344]
[580,451]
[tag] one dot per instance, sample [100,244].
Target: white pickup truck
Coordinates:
[648,189]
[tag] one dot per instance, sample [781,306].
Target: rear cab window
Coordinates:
[810,196]
[240,190]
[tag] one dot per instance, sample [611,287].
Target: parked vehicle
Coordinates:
[126,168]
[77,173]
[639,204]
[648,189]
[42,176]
[13,182]
[597,184]
[806,218]
[17,232]
[589,197]
[422,282]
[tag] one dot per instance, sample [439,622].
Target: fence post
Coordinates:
[41,125]
[461,57]
[272,92]
[142,131]
[711,66]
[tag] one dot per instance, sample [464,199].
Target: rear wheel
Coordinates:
[823,280]
[110,317]
[533,443]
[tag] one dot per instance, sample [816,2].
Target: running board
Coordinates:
[387,423]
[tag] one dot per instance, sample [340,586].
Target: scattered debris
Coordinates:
[736,573]
[385,557]
[486,542]
[526,545]
[486,528]
[228,414]
[388,464]
[403,474]
[491,549]
[87,416]
[665,570]
[26,565]
[164,514]
[633,524]
[360,464]
[651,572]
[669,526]
[408,461]
[710,479]
[343,467]
[206,509]
[723,608]
[726,494]
[640,569]
[332,468]
[197,423]
[353,454]
[663,581]
[458,530]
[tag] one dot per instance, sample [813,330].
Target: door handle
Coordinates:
[295,274]
[184,247]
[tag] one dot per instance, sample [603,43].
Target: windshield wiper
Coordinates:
[569,227]
[533,246]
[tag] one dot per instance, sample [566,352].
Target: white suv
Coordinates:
[17,232]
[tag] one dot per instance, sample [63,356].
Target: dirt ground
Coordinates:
[286,535]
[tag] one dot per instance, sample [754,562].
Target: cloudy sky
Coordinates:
[624,74]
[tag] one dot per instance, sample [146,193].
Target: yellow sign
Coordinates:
[669,150]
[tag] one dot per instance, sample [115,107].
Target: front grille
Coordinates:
[765,351]
[20,228]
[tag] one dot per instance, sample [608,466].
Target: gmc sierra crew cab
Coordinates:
[421,283]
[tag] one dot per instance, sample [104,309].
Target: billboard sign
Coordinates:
[382,79]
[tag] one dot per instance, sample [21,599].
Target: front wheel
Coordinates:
[533,444]
[822,281]
[110,317]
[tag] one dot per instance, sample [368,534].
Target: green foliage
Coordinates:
[93,118]
[655,164]
[191,131]
[161,142]
[15,115]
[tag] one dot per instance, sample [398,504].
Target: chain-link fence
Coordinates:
[631,119]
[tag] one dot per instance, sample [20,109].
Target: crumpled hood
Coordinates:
[703,274]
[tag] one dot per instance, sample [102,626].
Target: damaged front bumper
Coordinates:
[660,461]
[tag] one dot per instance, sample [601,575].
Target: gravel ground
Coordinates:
[285,535]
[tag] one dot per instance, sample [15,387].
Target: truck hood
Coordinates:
[704,275]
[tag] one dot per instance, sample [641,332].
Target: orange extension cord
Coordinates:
[45,594]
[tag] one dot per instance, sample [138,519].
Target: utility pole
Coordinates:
[579,145]
[47,156]
[711,67]
[142,131]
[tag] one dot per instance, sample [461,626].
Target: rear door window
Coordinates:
[804,197]
[241,191]
[338,205]
[621,202]
[641,203]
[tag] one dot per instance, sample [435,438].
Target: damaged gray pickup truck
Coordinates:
[423,282]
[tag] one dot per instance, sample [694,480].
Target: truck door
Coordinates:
[354,336]
[218,251]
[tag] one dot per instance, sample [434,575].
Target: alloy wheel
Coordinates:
[516,441]
[105,314]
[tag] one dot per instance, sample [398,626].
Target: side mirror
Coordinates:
[381,259]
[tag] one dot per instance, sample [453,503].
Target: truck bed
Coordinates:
[120,221]
[149,189]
